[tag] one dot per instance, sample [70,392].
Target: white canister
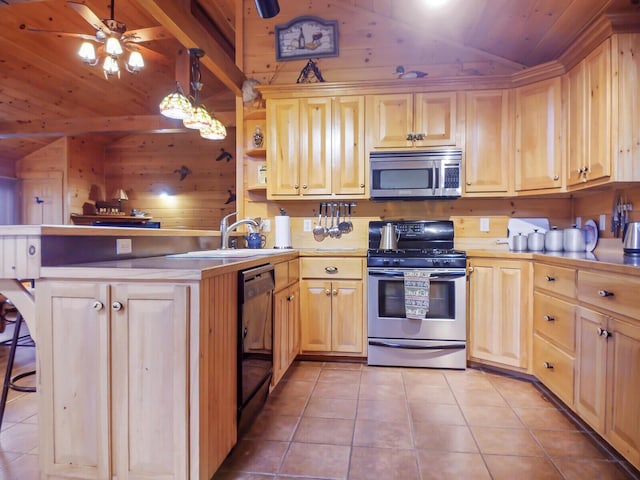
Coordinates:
[573,240]
[553,240]
[535,241]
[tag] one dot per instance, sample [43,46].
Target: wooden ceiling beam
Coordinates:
[189,32]
[101,125]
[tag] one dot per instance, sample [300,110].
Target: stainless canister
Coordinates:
[553,240]
[573,239]
[535,241]
[520,243]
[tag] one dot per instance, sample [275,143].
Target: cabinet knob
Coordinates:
[470,269]
[555,178]
[97,305]
[290,298]
[580,171]
[331,269]
[327,292]
[468,183]
[410,137]
[547,365]
[116,306]
[550,279]
[605,293]
[296,186]
[419,136]
[585,169]
[549,318]
[304,186]
[334,292]
[362,185]
[603,333]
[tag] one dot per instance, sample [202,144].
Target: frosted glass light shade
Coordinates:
[110,66]
[113,47]
[87,52]
[135,63]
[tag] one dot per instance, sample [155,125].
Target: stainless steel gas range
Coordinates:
[437,339]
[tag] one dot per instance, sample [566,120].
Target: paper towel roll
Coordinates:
[283,232]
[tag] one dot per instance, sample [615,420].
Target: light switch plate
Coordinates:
[266,225]
[307,225]
[123,246]
[484,225]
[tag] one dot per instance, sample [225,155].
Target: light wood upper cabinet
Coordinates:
[411,120]
[500,310]
[588,93]
[316,147]
[489,143]
[538,162]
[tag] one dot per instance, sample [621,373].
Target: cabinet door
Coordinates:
[598,91]
[500,311]
[315,316]
[391,120]
[346,316]
[348,146]
[538,136]
[489,142]
[623,385]
[293,323]
[280,334]
[283,154]
[74,383]
[149,390]
[435,119]
[576,124]
[315,146]
[591,364]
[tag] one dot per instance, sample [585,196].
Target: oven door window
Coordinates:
[441,299]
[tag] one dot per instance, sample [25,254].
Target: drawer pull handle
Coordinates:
[549,318]
[331,269]
[605,293]
[547,365]
[550,279]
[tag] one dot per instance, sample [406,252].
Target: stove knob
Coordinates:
[396,261]
[435,262]
[385,261]
[445,262]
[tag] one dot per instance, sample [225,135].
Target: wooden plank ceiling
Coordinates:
[46,91]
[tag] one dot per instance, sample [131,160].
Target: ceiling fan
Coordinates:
[112,38]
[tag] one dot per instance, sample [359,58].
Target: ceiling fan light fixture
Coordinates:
[113,47]
[199,118]
[135,63]
[87,53]
[111,67]
[176,105]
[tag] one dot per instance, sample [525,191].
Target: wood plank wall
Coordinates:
[85,175]
[145,165]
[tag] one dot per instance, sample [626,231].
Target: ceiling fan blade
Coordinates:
[91,18]
[63,34]
[146,34]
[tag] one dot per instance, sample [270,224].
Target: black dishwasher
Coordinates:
[255,342]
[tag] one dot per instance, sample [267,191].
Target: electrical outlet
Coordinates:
[603,223]
[266,225]
[307,225]
[123,246]
[484,225]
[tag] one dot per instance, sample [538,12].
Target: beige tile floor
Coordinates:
[351,421]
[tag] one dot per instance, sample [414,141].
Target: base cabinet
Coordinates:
[113,404]
[286,318]
[332,309]
[500,306]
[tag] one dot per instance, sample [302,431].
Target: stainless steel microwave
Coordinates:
[416,175]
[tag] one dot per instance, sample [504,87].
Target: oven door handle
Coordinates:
[378,343]
[435,276]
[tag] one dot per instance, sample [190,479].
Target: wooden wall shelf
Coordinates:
[90,219]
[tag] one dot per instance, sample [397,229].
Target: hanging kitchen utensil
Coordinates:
[349,221]
[334,231]
[318,230]
[344,225]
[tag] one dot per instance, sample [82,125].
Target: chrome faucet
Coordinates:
[226,229]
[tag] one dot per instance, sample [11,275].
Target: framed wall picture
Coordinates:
[306,37]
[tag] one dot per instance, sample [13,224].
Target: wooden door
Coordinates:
[623,385]
[598,92]
[348,146]
[591,358]
[75,413]
[435,119]
[488,163]
[315,146]
[283,153]
[315,316]
[149,370]
[574,85]
[391,120]
[42,202]
[347,316]
[538,136]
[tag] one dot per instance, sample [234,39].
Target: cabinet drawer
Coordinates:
[555,319]
[554,368]
[294,270]
[286,273]
[335,267]
[559,280]
[618,294]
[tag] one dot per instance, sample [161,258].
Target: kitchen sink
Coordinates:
[229,253]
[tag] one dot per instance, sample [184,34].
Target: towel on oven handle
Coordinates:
[416,294]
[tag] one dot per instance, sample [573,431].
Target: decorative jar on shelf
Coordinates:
[258,137]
